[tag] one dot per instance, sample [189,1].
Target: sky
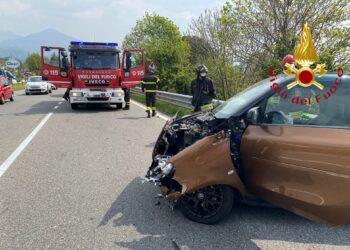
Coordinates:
[95,20]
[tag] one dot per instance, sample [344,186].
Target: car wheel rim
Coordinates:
[205,202]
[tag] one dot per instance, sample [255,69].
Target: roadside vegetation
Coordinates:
[241,41]
[164,107]
[18,86]
[30,64]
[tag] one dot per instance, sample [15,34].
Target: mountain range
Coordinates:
[13,45]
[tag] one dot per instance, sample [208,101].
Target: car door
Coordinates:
[55,66]
[297,155]
[2,91]
[133,67]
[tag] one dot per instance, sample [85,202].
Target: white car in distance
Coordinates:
[35,84]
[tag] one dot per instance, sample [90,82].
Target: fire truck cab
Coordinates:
[93,72]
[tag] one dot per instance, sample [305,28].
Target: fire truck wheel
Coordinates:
[2,100]
[74,106]
[119,105]
[12,97]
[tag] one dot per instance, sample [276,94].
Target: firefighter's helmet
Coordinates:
[288,59]
[201,69]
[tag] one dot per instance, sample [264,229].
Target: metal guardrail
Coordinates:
[174,98]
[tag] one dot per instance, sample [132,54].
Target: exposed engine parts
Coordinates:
[182,133]
[236,129]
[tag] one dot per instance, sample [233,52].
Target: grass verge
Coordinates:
[163,107]
[18,86]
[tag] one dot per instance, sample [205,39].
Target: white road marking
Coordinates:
[60,103]
[164,117]
[56,107]
[8,162]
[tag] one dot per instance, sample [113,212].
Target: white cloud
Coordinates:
[103,19]
[92,14]
[8,8]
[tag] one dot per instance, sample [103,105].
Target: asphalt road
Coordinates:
[77,185]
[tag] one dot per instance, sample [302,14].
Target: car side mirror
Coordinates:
[253,116]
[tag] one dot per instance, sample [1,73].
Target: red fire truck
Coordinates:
[93,72]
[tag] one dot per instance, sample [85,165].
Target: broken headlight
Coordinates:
[160,169]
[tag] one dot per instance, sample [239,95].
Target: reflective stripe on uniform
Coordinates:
[149,83]
[153,108]
[148,109]
[207,107]
[150,91]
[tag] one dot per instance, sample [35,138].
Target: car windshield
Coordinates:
[95,60]
[35,79]
[233,105]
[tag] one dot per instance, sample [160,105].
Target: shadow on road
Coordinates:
[33,94]
[160,227]
[45,107]
[92,108]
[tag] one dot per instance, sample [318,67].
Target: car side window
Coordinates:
[133,59]
[310,106]
[4,82]
[52,58]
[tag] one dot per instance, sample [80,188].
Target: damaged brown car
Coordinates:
[269,144]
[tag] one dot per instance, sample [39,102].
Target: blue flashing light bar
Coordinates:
[93,43]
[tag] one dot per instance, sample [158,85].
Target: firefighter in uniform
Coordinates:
[203,90]
[149,86]
[127,98]
[66,95]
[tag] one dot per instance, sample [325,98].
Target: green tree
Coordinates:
[269,29]
[213,43]
[199,49]
[54,60]
[163,42]
[32,63]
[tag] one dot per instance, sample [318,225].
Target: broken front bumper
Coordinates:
[206,162]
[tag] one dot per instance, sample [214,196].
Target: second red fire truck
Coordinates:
[93,72]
